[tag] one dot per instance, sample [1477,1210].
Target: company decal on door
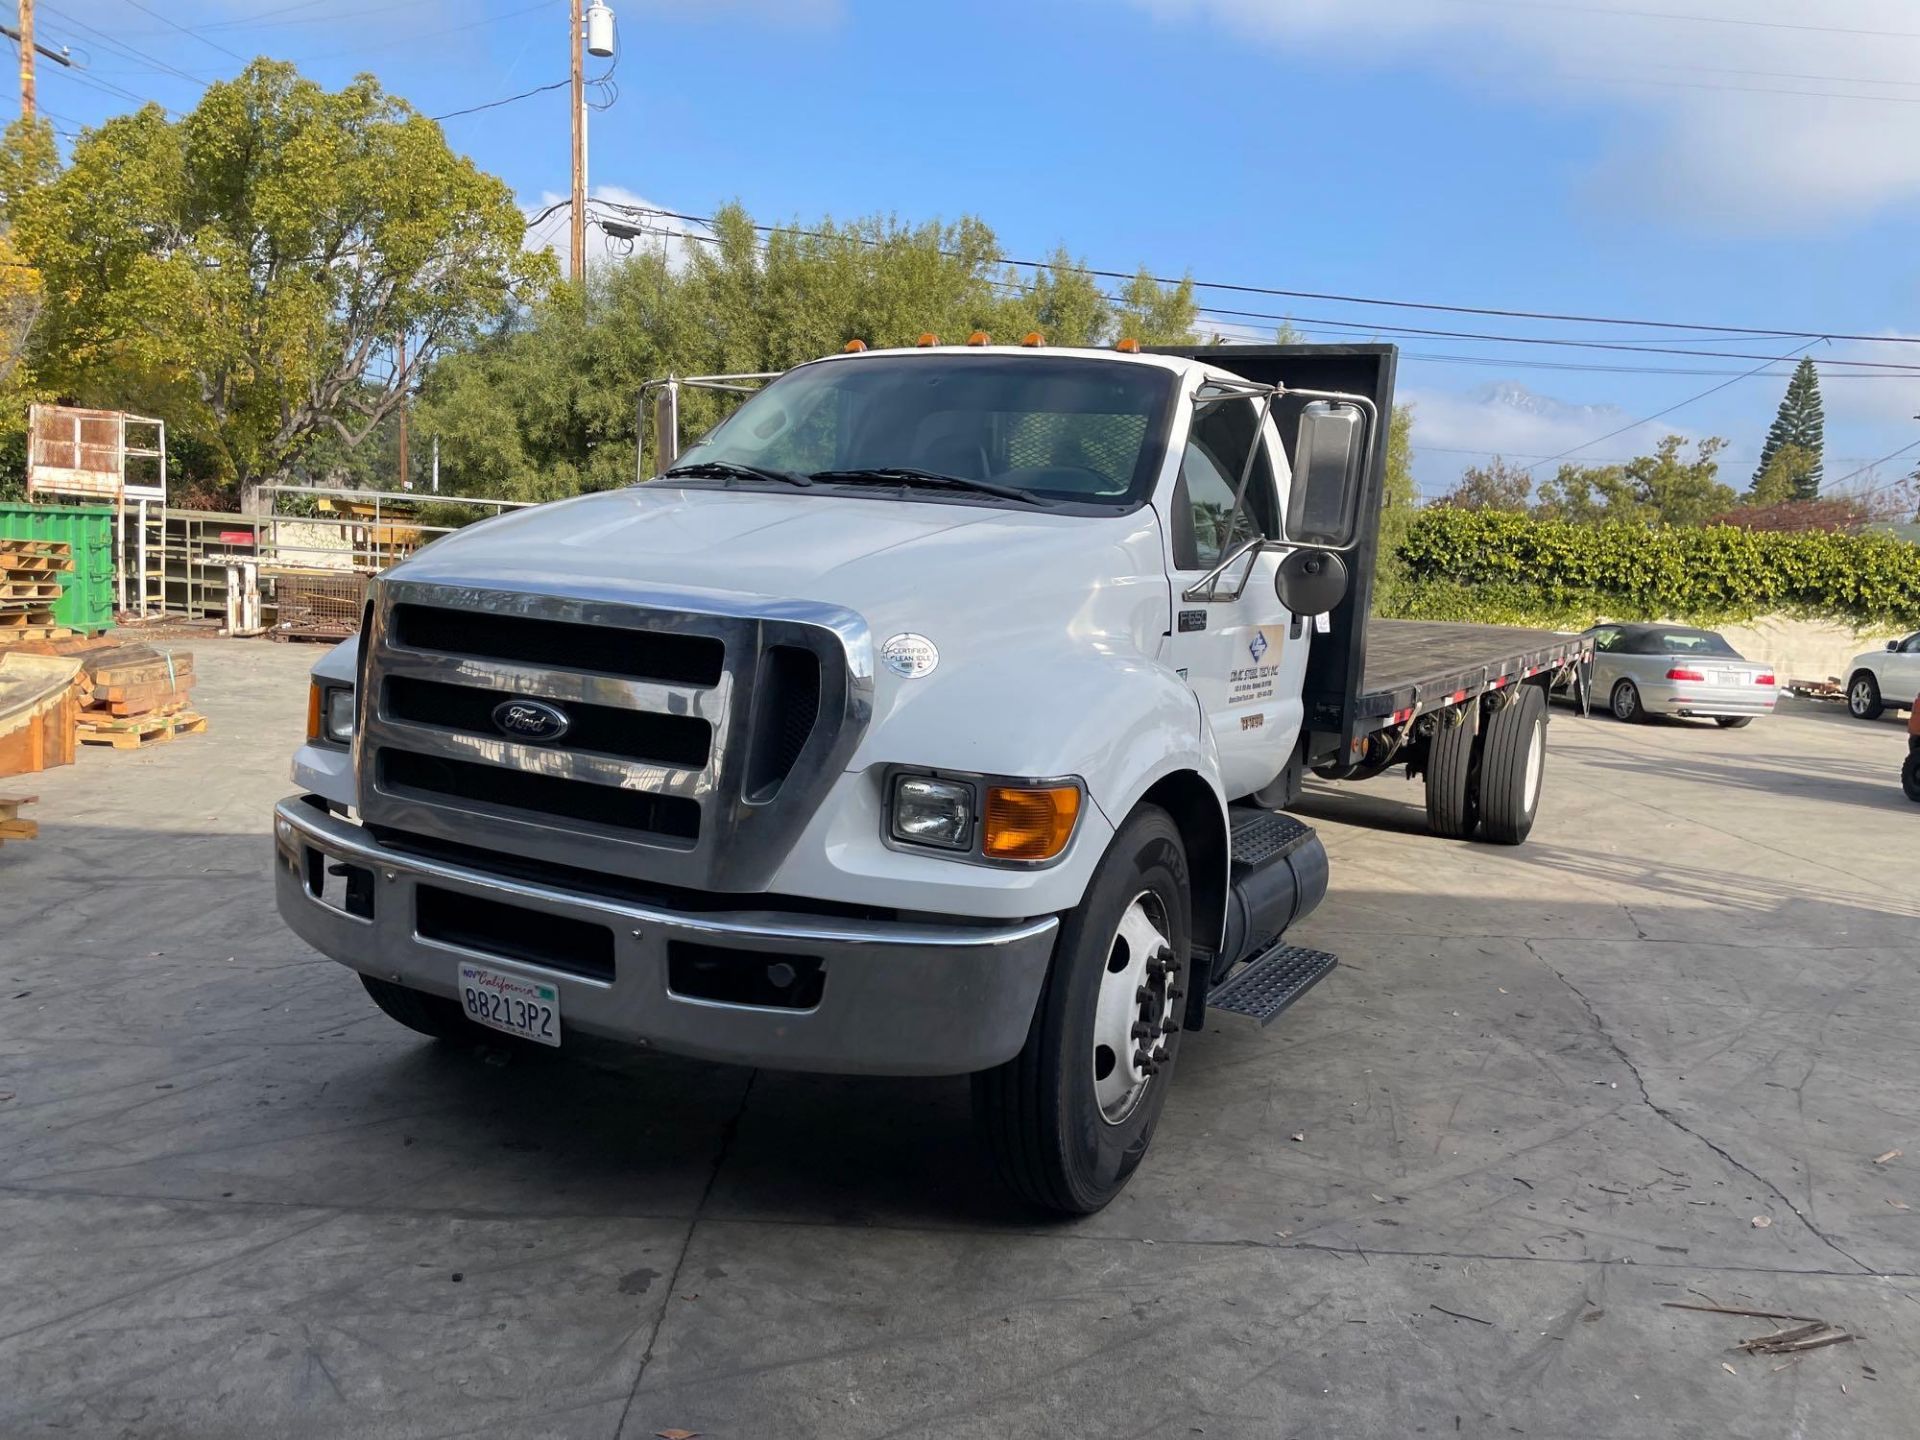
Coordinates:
[1256,672]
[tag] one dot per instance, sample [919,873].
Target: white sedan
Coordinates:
[1645,670]
[1884,679]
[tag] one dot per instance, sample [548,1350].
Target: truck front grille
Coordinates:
[696,742]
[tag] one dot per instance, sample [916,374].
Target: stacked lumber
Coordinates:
[30,583]
[12,827]
[38,710]
[134,695]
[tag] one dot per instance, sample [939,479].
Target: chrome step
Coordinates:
[1271,982]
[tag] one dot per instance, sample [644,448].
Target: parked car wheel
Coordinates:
[1910,776]
[1513,763]
[1863,697]
[1453,789]
[1069,1118]
[433,1015]
[1733,722]
[1625,704]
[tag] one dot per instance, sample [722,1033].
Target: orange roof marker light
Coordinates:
[927,337]
[1033,338]
[1128,346]
[853,347]
[979,337]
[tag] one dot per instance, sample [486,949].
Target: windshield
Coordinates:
[1679,642]
[1072,431]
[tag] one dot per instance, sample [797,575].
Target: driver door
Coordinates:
[1245,658]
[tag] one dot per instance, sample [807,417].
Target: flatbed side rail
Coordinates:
[1379,709]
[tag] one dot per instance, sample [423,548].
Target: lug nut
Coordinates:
[1141,1030]
[1142,995]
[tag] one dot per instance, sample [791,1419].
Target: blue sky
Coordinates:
[1756,163]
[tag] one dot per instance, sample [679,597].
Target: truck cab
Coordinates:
[931,715]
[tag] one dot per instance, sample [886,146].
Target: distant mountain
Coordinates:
[1512,395]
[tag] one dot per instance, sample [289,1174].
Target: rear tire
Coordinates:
[1733,722]
[1910,776]
[1453,801]
[1064,1134]
[1863,696]
[1513,766]
[1624,702]
[433,1015]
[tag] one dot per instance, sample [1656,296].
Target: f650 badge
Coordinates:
[910,655]
[533,721]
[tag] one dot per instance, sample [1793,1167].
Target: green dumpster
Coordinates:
[86,601]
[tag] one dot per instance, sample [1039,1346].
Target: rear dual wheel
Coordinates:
[1486,768]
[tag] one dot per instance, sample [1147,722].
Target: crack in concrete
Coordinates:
[727,1133]
[1640,1082]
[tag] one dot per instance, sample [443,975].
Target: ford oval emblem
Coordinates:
[533,721]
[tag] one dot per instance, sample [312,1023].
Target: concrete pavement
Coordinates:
[1548,1090]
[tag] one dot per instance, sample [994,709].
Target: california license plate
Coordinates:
[527,1008]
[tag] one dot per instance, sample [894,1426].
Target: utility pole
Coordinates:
[404,485]
[26,59]
[577,251]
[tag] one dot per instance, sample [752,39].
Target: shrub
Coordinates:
[1508,568]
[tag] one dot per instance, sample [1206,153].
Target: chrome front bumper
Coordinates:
[899,998]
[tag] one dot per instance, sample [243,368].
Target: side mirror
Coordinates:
[1893,645]
[1310,582]
[1329,451]
[666,426]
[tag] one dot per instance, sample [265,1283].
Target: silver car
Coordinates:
[1642,670]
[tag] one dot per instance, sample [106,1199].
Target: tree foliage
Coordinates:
[1493,486]
[1663,488]
[1794,451]
[544,405]
[244,272]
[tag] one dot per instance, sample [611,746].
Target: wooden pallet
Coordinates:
[139,731]
[31,615]
[13,588]
[30,634]
[12,827]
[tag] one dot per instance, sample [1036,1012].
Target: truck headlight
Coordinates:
[330,713]
[926,811]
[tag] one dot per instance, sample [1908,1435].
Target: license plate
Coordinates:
[527,1008]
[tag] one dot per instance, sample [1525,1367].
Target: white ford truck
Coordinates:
[935,714]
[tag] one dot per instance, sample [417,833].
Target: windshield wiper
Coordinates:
[909,475]
[728,470]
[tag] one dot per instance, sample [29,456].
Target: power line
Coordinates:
[185,30]
[1681,405]
[508,100]
[1612,13]
[1770,333]
[119,47]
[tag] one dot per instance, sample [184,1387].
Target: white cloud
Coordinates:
[1710,135]
[1864,397]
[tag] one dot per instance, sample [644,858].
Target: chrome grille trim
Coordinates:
[740,844]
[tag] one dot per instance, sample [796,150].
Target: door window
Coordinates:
[1210,470]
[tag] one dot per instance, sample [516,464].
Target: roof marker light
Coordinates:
[854,347]
[979,337]
[1033,338]
[1128,346]
[927,337]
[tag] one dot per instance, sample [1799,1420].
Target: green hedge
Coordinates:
[1511,569]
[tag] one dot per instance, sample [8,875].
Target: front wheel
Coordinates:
[1863,697]
[1070,1117]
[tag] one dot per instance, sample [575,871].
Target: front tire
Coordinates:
[1070,1117]
[1733,722]
[1863,697]
[433,1015]
[1624,702]
[1910,776]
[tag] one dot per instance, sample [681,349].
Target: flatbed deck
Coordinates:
[1418,665]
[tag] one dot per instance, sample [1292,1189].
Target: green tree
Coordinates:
[1493,486]
[543,404]
[1156,314]
[246,271]
[1800,424]
[1663,488]
[1784,477]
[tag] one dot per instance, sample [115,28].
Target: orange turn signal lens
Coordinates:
[1029,824]
[1128,346]
[927,337]
[313,712]
[979,337]
[854,347]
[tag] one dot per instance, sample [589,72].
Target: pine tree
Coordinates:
[1800,424]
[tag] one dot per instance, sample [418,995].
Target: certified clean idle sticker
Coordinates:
[910,655]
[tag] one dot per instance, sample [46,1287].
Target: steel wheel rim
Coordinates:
[1536,765]
[1136,1010]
